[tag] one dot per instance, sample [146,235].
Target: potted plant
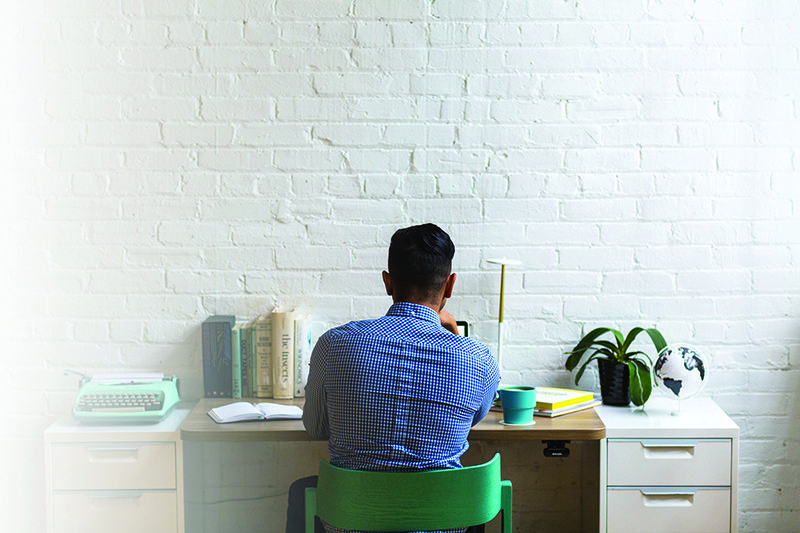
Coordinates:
[625,376]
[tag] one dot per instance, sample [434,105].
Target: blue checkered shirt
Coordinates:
[399,392]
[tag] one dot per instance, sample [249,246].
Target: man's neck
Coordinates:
[436,307]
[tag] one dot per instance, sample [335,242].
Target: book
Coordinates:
[242,411]
[550,413]
[248,359]
[549,399]
[244,367]
[263,357]
[252,360]
[236,360]
[283,354]
[217,356]
[302,354]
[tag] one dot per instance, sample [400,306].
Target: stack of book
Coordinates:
[266,357]
[552,402]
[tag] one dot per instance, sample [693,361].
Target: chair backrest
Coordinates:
[409,501]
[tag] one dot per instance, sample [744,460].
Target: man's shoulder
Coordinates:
[354,327]
[392,327]
[477,349]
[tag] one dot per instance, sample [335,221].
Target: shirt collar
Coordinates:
[421,312]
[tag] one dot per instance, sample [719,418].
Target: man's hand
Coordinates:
[448,322]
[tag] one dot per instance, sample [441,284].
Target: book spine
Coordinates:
[217,355]
[225,360]
[302,354]
[283,355]
[253,359]
[208,349]
[244,355]
[263,358]
[236,361]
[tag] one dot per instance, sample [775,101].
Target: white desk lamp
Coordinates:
[502,263]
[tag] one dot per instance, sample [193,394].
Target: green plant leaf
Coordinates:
[584,344]
[641,381]
[605,352]
[583,367]
[632,334]
[618,335]
[597,354]
[639,362]
[641,356]
[610,345]
[657,338]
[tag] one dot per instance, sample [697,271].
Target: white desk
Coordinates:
[644,471]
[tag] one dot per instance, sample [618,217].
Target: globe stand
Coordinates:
[677,412]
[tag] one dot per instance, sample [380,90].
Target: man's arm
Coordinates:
[315,412]
[448,322]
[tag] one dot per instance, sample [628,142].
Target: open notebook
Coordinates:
[242,411]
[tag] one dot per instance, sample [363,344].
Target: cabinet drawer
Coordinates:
[679,462]
[117,511]
[114,466]
[669,510]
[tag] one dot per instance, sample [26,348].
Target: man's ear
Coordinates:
[448,285]
[387,282]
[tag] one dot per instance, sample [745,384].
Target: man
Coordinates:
[400,392]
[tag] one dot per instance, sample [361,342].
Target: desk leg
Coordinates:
[602,492]
[590,476]
[179,485]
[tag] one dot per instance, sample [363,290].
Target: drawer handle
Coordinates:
[668,450]
[668,497]
[668,492]
[109,501]
[666,443]
[114,449]
[124,495]
[115,455]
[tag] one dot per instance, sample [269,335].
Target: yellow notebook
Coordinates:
[549,399]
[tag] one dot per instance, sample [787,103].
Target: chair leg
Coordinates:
[506,505]
[311,508]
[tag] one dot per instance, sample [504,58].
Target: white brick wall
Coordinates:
[163,161]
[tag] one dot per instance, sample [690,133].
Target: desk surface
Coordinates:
[198,426]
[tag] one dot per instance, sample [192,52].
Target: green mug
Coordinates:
[518,403]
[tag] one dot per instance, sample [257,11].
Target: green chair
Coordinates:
[409,501]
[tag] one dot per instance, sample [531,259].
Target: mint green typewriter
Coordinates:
[122,399]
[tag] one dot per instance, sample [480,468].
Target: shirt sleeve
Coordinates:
[491,380]
[315,412]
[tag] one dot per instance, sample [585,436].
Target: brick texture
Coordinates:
[163,161]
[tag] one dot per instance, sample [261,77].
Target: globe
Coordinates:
[680,371]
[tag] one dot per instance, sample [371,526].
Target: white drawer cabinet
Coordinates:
[122,478]
[668,472]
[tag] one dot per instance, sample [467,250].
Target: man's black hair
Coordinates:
[420,258]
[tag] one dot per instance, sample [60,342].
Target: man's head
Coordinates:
[420,259]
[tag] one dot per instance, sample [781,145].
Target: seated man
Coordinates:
[400,392]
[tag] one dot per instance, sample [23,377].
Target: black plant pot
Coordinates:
[614,382]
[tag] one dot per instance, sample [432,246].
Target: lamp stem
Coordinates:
[500,316]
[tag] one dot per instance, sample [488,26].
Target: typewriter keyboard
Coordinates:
[121,402]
